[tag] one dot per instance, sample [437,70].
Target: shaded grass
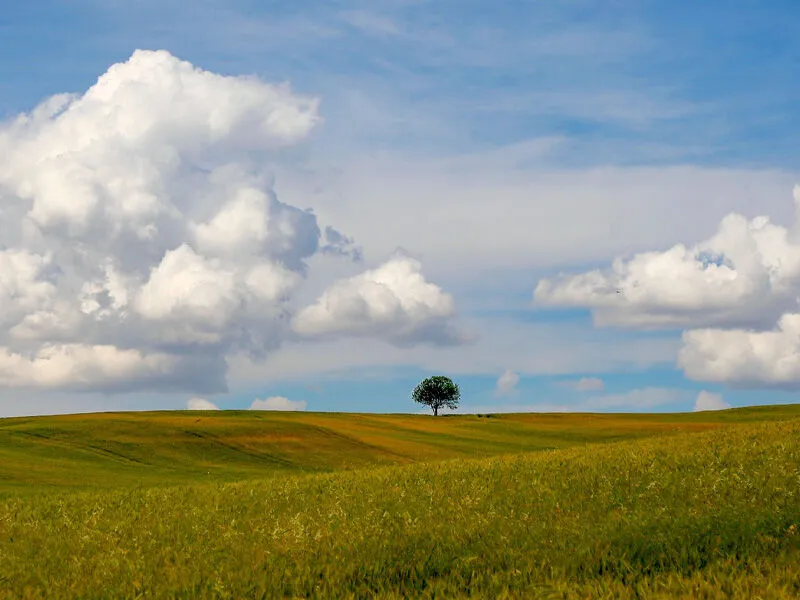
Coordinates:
[102,451]
[708,514]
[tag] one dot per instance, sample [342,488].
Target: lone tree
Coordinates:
[436,392]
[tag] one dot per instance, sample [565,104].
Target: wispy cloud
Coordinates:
[506,383]
[636,400]
[370,22]
[525,348]
[584,384]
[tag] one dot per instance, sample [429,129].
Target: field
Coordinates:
[314,505]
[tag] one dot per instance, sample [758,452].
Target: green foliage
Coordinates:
[437,391]
[714,514]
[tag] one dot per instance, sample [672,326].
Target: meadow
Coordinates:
[314,505]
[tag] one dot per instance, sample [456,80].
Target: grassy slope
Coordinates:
[706,514]
[154,449]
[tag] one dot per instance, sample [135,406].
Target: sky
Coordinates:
[563,206]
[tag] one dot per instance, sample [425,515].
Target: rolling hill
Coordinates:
[313,505]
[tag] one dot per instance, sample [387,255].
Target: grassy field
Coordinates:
[519,506]
[111,450]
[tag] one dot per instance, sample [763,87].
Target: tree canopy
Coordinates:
[436,392]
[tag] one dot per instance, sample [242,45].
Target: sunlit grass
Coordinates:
[102,451]
[705,514]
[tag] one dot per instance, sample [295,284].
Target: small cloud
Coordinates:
[584,384]
[200,404]
[278,403]
[507,382]
[709,401]
[588,384]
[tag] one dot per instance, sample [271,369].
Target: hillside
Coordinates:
[166,448]
[709,514]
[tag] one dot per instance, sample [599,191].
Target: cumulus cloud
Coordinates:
[393,302]
[507,382]
[142,238]
[200,404]
[709,401]
[727,293]
[144,244]
[744,358]
[278,403]
[81,367]
[747,274]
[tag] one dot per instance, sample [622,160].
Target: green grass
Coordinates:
[111,450]
[702,505]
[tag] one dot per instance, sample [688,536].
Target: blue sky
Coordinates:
[710,82]
[500,145]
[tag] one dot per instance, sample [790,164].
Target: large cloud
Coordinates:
[393,302]
[143,242]
[727,292]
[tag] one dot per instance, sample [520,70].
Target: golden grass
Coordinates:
[712,514]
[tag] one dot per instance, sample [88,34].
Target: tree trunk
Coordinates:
[435,410]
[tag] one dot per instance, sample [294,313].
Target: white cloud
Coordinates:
[507,382]
[393,302]
[278,403]
[726,292]
[747,272]
[744,357]
[709,401]
[143,240]
[82,367]
[200,404]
